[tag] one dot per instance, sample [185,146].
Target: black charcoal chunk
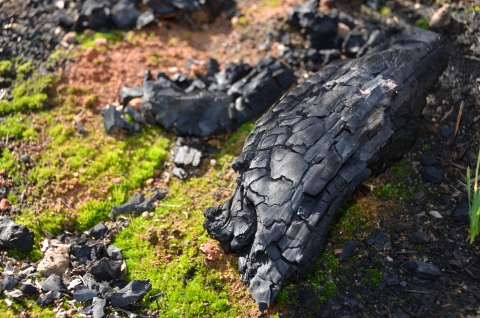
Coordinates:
[15,236]
[179,173]
[113,121]
[105,269]
[135,114]
[187,156]
[83,293]
[82,250]
[460,214]
[53,283]
[125,14]
[348,248]
[237,94]
[28,289]
[95,15]
[432,174]
[9,282]
[98,231]
[130,205]
[131,293]
[145,19]
[48,298]
[379,240]
[341,125]
[423,270]
[129,93]
[427,160]
[114,252]
[98,307]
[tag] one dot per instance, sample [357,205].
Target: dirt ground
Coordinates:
[397,203]
[455,293]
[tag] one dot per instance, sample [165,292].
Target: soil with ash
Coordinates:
[373,281]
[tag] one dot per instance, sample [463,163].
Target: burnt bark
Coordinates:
[309,152]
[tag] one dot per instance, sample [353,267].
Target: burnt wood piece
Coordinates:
[309,152]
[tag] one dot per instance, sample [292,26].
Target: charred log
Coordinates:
[306,156]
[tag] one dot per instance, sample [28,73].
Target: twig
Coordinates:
[65,204]
[418,291]
[471,57]
[460,113]
[458,166]
[476,119]
[407,252]
[446,115]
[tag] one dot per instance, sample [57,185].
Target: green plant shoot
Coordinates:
[474,202]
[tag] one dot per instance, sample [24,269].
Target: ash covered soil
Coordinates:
[413,213]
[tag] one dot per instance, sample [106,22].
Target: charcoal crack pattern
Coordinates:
[309,152]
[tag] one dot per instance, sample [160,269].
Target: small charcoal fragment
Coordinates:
[15,236]
[432,174]
[105,269]
[83,293]
[98,307]
[460,214]
[9,282]
[129,206]
[348,248]
[131,293]
[378,240]
[53,283]
[423,270]
[114,252]
[98,231]
[48,298]
[29,289]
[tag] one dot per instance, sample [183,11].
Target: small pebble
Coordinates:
[146,214]
[213,162]
[435,214]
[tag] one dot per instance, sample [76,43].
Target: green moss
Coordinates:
[29,90]
[270,3]
[373,277]
[321,281]
[87,41]
[385,11]
[242,21]
[153,59]
[6,66]
[421,23]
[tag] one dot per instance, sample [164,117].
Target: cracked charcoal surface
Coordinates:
[238,93]
[306,156]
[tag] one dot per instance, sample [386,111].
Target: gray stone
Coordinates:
[55,261]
